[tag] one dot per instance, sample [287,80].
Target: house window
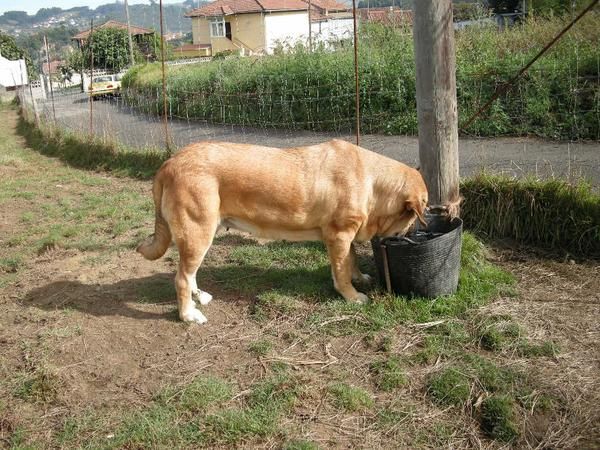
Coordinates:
[217,27]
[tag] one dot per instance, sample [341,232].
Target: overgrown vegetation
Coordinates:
[557,98]
[552,214]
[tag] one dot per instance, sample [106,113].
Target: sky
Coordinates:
[32,6]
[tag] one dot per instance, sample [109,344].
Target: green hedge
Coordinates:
[558,98]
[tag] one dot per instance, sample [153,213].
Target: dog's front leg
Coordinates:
[341,256]
[357,275]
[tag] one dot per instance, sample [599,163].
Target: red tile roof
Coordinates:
[230,7]
[388,15]
[54,66]
[328,5]
[114,24]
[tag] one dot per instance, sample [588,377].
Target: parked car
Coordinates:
[105,85]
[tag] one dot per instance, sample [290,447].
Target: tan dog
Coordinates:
[335,192]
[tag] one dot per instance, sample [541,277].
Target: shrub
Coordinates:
[557,97]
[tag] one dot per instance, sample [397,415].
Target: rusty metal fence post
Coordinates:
[164,82]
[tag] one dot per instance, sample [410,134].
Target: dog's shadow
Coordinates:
[124,298]
[130,297]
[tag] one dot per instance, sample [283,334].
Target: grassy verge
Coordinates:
[551,214]
[93,154]
[97,215]
[557,98]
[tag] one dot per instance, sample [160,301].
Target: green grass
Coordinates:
[285,276]
[349,398]
[11,264]
[498,418]
[388,374]
[199,394]
[200,414]
[449,387]
[156,290]
[444,340]
[40,385]
[273,304]
[300,445]
[545,349]
[502,334]
[267,401]
[505,394]
[93,216]
[260,347]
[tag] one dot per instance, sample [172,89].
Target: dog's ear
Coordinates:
[414,204]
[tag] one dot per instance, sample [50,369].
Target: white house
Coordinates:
[248,26]
[330,21]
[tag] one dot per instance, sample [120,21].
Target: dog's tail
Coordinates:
[157,244]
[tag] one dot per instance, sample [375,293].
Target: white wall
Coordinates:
[285,28]
[332,30]
[13,73]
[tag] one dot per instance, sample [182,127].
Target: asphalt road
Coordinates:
[511,156]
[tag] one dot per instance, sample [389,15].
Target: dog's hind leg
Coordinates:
[192,249]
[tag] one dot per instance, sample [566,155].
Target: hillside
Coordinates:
[19,23]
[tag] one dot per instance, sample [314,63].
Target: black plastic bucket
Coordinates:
[426,264]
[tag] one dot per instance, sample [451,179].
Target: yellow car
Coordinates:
[105,85]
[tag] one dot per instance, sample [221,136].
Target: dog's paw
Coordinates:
[203,297]
[361,298]
[193,315]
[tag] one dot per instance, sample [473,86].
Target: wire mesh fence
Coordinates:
[301,90]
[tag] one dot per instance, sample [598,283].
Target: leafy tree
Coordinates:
[556,7]
[110,47]
[541,7]
[10,50]
[111,50]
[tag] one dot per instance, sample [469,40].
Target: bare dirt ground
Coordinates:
[89,333]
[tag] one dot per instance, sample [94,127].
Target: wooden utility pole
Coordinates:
[50,77]
[90,87]
[131,57]
[436,99]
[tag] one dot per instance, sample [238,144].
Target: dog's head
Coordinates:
[411,207]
